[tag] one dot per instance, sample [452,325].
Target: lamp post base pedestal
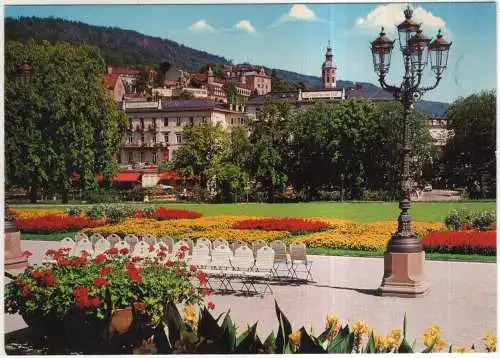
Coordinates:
[404,275]
[13,256]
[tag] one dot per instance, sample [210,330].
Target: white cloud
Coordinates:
[201,25]
[298,12]
[388,16]
[245,25]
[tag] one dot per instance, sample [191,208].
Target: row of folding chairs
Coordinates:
[287,262]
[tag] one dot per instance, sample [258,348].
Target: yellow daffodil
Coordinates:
[295,338]
[360,327]
[394,339]
[464,350]
[190,314]
[380,342]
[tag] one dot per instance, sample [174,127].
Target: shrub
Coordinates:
[75,211]
[329,195]
[293,225]
[484,220]
[100,195]
[461,242]
[464,219]
[96,212]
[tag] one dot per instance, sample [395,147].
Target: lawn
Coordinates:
[363,212]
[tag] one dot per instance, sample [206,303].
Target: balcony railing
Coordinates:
[139,129]
[151,128]
[132,145]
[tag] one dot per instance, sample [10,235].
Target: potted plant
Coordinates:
[89,302]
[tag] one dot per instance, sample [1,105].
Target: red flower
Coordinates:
[184,248]
[205,292]
[37,274]
[211,306]
[139,307]
[50,252]
[55,223]
[101,282]
[27,253]
[84,254]
[202,278]
[192,268]
[100,258]
[48,272]
[81,294]
[26,290]
[151,248]
[163,248]
[134,275]
[105,271]
[124,251]
[95,301]
[80,291]
[293,225]
[63,261]
[161,255]
[49,280]
[163,213]
[78,261]
[180,271]
[169,263]
[112,251]
[191,292]
[136,259]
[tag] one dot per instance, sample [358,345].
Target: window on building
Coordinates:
[130,157]
[154,157]
[119,158]
[179,137]
[142,122]
[232,121]
[191,121]
[178,122]
[154,139]
[165,137]
[165,122]
[142,157]
[242,120]
[154,122]
[142,138]
[327,79]
[130,138]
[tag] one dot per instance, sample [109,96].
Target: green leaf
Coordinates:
[246,342]
[404,347]
[288,348]
[229,333]
[450,350]
[284,330]
[270,344]
[370,347]
[429,349]
[326,333]
[404,326]
[309,344]
[208,327]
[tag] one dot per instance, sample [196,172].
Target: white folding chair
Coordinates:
[205,241]
[113,239]
[132,240]
[95,236]
[67,243]
[280,257]
[83,245]
[80,235]
[256,245]
[243,263]
[220,267]
[298,256]
[101,245]
[150,239]
[200,257]
[141,249]
[122,244]
[169,242]
[264,265]
[236,244]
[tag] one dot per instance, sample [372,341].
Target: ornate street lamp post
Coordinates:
[404,259]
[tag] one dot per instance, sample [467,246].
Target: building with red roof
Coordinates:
[115,86]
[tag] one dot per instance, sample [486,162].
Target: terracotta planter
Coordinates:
[121,321]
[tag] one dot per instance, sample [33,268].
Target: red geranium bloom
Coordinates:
[63,261]
[202,278]
[151,248]
[192,268]
[169,263]
[80,291]
[95,301]
[205,292]
[134,276]
[163,248]
[27,253]
[184,248]
[100,258]
[48,272]
[26,290]
[84,254]
[78,261]
[49,280]
[139,306]
[112,251]
[124,251]
[136,259]
[101,282]
[50,252]
[211,306]
[37,274]
[105,271]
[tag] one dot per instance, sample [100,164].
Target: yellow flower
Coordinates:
[490,342]
[332,321]
[295,338]
[190,314]
[394,339]
[380,342]
[360,327]
[464,350]
[433,334]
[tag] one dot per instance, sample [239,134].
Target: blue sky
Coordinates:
[294,36]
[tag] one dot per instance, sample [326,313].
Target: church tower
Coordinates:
[329,70]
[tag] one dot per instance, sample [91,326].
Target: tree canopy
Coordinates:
[60,118]
[469,157]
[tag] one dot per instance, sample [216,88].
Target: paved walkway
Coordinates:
[462,299]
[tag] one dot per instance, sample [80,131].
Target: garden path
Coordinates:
[462,299]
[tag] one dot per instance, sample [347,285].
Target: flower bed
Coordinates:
[77,296]
[293,225]
[461,242]
[163,213]
[373,236]
[55,223]
[247,236]
[33,213]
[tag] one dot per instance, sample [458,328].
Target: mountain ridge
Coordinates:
[129,48]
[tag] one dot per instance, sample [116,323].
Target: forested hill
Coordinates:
[129,48]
